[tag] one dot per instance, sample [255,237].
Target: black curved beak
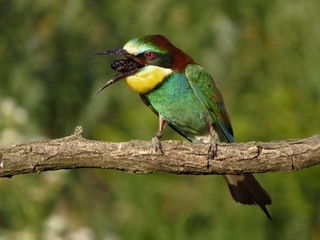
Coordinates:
[117,78]
[120,52]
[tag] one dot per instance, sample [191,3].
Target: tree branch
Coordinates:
[139,156]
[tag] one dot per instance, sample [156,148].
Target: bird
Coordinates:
[184,96]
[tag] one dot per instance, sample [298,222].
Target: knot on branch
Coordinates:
[78,132]
[77,135]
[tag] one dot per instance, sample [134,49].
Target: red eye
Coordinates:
[150,55]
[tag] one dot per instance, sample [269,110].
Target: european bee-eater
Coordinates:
[184,95]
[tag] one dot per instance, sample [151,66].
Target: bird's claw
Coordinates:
[157,145]
[213,149]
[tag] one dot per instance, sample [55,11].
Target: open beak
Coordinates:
[124,73]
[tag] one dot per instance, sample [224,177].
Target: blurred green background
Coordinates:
[263,55]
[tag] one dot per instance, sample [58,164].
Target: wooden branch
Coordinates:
[139,156]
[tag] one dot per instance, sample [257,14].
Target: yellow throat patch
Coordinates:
[147,78]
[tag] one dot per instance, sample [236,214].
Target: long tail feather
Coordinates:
[246,189]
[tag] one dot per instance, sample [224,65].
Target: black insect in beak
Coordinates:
[126,67]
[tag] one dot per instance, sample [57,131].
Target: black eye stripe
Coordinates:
[159,59]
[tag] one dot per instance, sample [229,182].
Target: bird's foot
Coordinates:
[157,145]
[213,149]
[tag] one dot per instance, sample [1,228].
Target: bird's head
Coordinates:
[148,61]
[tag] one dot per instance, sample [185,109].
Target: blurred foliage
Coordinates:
[265,58]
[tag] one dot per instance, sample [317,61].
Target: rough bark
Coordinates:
[140,157]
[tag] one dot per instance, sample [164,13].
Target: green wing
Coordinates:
[211,98]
